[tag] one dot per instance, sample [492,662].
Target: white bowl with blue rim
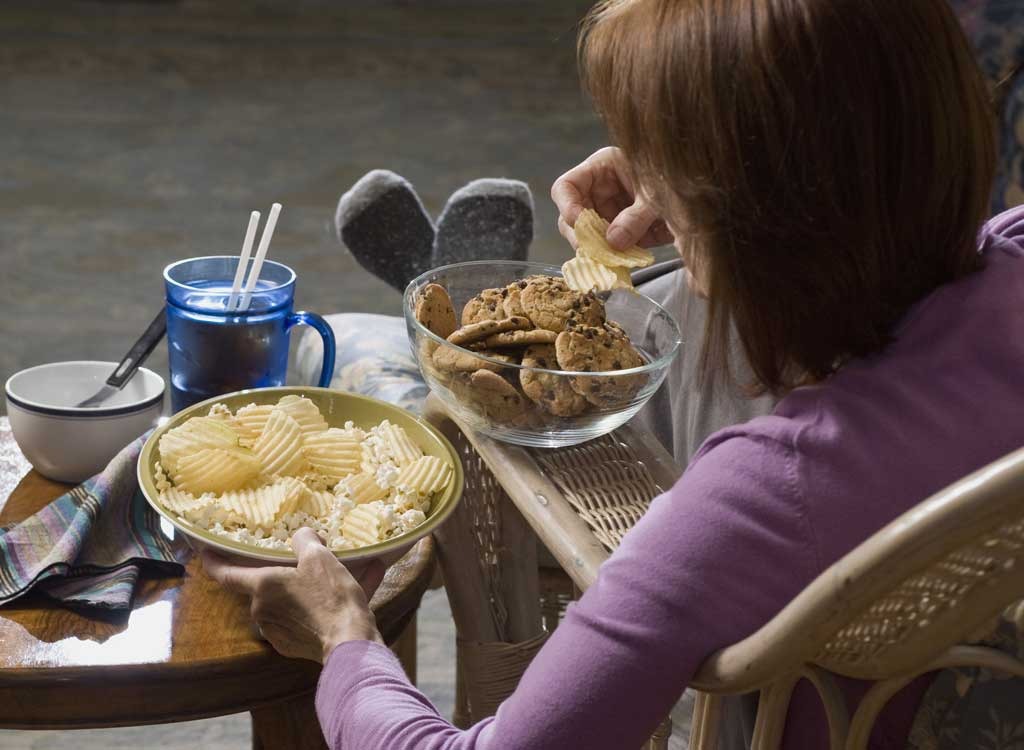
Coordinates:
[68,443]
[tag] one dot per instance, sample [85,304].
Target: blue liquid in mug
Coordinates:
[213,351]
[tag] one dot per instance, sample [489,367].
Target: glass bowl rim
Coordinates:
[408,310]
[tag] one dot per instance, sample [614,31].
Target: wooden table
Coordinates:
[185,651]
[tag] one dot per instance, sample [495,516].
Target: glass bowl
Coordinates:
[484,404]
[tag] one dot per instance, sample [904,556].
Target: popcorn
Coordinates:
[385,489]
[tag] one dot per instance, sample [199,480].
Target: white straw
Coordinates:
[243,259]
[261,254]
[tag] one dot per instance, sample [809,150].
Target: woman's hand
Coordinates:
[601,182]
[305,611]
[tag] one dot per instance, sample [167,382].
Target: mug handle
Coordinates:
[315,321]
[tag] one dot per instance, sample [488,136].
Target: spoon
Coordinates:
[131,362]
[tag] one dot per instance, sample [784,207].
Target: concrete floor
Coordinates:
[135,134]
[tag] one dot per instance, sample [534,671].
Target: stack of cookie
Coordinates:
[538,323]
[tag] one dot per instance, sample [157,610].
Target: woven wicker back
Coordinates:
[925,582]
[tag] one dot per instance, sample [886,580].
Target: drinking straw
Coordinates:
[243,259]
[261,254]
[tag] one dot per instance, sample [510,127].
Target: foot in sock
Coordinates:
[488,219]
[382,222]
[384,225]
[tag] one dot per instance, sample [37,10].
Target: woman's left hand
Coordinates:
[305,611]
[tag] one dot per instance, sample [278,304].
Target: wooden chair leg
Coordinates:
[707,713]
[292,724]
[772,707]
[659,740]
[405,649]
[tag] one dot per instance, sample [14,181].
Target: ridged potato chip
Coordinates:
[260,508]
[303,411]
[369,463]
[176,499]
[623,279]
[250,421]
[216,470]
[279,446]
[426,475]
[193,436]
[318,503]
[367,524]
[590,230]
[404,449]
[333,453]
[362,488]
[583,275]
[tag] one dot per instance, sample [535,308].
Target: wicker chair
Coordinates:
[894,608]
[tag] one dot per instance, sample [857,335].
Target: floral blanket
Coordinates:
[976,708]
[996,29]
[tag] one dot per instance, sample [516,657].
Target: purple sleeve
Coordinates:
[1009,224]
[712,561]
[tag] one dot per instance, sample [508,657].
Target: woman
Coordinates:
[824,167]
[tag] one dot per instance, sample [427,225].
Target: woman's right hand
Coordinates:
[602,182]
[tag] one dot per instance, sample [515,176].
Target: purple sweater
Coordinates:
[763,508]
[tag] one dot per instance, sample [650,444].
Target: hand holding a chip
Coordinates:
[602,182]
[305,611]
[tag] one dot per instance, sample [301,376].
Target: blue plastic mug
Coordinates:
[213,351]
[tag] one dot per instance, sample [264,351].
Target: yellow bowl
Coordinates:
[337,407]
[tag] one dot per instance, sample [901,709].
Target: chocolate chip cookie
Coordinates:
[549,303]
[485,306]
[552,393]
[450,359]
[511,339]
[495,397]
[434,310]
[583,348]
[477,331]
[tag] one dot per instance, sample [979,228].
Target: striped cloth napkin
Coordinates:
[90,546]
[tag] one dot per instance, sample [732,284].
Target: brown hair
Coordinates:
[831,161]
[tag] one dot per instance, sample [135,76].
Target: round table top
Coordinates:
[186,635]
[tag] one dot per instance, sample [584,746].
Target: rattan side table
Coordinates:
[506,591]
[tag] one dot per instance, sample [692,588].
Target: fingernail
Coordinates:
[618,237]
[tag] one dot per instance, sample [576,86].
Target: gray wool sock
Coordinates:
[488,219]
[384,225]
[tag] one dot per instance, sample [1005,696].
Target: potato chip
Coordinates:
[216,470]
[426,475]
[333,453]
[279,446]
[367,524]
[583,275]
[303,411]
[191,437]
[176,499]
[404,450]
[622,278]
[369,462]
[361,488]
[250,421]
[260,508]
[590,230]
[318,503]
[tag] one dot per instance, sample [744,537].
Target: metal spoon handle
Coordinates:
[139,351]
